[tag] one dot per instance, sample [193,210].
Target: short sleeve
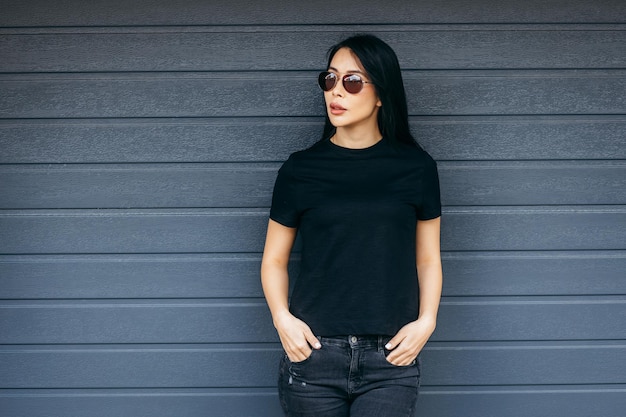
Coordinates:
[284,209]
[431,199]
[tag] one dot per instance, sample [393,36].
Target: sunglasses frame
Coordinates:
[345,79]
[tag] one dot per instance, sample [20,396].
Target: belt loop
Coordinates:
[380,343]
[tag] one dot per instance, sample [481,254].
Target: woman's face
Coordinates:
[346,110]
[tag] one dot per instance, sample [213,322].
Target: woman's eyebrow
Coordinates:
[348,72]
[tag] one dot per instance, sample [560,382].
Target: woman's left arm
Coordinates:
[410,340]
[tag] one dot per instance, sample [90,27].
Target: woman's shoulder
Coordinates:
[302,156]
[415,153]
[307,153]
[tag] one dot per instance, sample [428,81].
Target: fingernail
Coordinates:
[317,346]
[388,346]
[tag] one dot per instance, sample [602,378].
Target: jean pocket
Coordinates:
[302,362]
[387,352]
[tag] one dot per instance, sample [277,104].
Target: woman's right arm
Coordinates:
[295,335]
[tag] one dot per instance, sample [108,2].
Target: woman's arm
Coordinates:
[410,340]
[295,335]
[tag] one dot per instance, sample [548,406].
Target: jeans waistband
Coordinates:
[356,342]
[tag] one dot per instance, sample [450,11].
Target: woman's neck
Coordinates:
[356,139]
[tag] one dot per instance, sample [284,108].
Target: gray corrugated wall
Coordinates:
[139,141]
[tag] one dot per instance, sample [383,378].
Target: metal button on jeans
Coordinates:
[353,339]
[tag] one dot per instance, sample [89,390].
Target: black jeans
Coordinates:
[348,377]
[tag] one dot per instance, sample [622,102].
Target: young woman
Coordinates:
[365,202]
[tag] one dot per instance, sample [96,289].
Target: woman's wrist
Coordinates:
[280,317]
[428,320]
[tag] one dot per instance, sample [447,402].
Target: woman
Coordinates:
[365,202]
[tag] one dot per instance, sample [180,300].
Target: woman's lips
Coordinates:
[337,109]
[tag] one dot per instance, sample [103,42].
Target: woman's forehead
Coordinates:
[345,60]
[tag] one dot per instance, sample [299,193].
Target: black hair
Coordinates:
[381,65]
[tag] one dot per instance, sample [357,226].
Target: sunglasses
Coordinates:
[352,83]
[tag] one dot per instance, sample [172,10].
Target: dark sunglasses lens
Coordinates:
[327,81]
[352,83]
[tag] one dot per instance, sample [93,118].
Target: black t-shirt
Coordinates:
[356,212]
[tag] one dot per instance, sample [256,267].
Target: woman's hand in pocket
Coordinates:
[409,342]
[296,337]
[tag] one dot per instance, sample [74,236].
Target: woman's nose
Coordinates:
[338,89]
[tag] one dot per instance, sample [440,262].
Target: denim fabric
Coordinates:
[348,377]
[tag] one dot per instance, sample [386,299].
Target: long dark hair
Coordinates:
[381,64]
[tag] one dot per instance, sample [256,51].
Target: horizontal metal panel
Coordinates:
[273,139]
[158,140]
[207,367]
[539,228]
[139,367]
[248,185]
[573,401]
[245,12]
[522,138]
[532,183]
[549,364]
[570,401]
[302,48]
[237,276]
[134,231]
[527,273]
[264,94]
[137,186]
[564,318]
[248,321]
[130,276]
[206,230]
[135,321]
[259,402]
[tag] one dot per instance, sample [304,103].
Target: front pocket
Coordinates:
[299,369]
[302,362]
[386,352]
